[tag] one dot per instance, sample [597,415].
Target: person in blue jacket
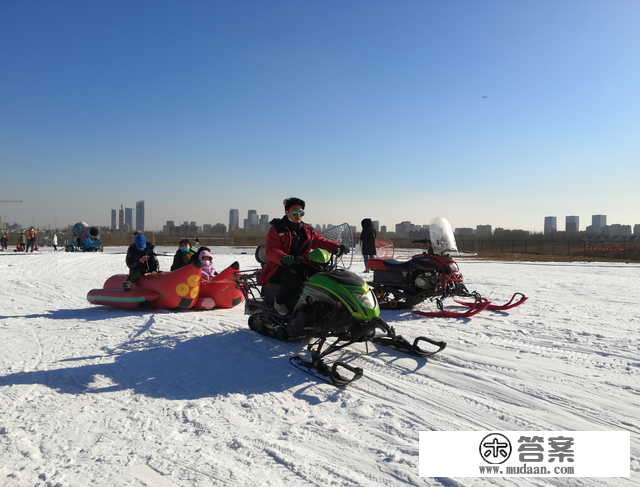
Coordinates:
[141,259]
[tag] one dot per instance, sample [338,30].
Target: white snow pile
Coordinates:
[99,396]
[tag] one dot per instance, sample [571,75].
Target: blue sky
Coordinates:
[362,108]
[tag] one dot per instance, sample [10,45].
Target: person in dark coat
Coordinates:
[183,255]
[368,241]
[287,239]
[5,242]
[141,259]
[31,239]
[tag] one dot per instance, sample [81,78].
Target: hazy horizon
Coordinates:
[390,227]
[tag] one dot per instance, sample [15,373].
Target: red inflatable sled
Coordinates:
[180,289]
[220,291]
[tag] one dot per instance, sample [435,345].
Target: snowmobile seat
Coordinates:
[388,265]
[270,292]
[394,278]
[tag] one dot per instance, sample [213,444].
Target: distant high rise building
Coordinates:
[604,231]
[483,230]
[403,228]
[376,225]
[251,221]
[234,219]
[550,225]
[636,229]
[572,225]
[121,218]
[168,227]
[140,216]
[599,220]
[616,230]
[128,218]
[114,220]
[219,229]
[383,229]
[264,222]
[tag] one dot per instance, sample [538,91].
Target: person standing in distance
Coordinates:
[368,241]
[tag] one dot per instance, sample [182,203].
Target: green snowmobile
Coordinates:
[335,308]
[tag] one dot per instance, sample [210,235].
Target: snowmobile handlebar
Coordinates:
[323,266]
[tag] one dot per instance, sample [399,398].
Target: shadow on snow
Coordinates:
[97,313]
[168,367]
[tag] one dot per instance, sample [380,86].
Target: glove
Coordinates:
[344,249]
[287,260]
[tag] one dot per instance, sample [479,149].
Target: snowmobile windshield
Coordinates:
[441,236]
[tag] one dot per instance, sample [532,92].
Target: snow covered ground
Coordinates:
[97,396]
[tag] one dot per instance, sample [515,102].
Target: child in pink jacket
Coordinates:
[208,271]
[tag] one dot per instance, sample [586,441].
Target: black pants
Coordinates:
[290,279]
[135,274]
[30,243]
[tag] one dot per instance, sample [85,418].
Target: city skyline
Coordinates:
[253,223]
[107,222]
[496,112]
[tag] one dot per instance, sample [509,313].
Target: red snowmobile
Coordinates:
[431,275]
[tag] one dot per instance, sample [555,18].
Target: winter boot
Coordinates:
[281,309]
[126,285]
[298,326]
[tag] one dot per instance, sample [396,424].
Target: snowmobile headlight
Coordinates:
[367,300]
[453,266]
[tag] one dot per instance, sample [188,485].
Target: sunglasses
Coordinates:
[296,213]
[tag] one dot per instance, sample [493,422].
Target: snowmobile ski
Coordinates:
[496,307]
[480,304]
[323,372]
[402,345]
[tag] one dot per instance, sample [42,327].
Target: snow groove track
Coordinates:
[105,397]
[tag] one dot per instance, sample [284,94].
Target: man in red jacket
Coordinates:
[287,239]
